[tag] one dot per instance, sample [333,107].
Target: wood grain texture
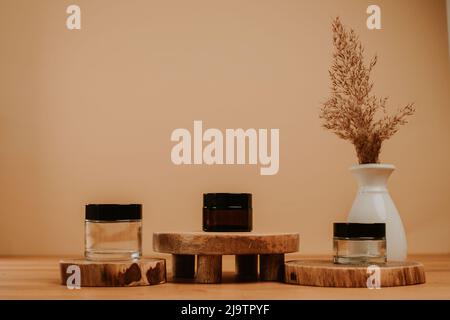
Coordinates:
[271,267]
[209,269]
[324,273]
[224,243]
[142,272]
[38,277]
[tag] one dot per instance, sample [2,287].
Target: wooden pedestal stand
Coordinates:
[142,272]
[209,247]
[327,274]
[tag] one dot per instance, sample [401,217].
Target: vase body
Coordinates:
[373,204]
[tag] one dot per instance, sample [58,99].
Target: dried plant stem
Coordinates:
[351,110]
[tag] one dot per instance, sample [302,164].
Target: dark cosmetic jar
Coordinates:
[359,243]
[227,212]
[113,232]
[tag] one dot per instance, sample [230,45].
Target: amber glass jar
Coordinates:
[224,212]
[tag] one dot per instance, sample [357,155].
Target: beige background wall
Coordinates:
[86,116]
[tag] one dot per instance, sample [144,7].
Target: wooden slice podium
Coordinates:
[209,247]
[141,272]
[322,273]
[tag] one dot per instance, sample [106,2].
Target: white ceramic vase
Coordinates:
[373,204]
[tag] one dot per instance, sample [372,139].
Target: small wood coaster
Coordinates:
[327,274]
[209,247]
[142,272]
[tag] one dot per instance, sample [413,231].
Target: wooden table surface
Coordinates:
[38,278]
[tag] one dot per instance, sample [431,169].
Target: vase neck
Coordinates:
[373,177]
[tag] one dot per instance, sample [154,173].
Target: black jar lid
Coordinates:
[227,200]
[113,212]
[359,230]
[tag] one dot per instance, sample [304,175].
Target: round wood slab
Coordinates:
[225,243]
[327,274]
[142,272]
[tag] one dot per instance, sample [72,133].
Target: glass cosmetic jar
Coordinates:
[113,232]
[359,243]
[227,212]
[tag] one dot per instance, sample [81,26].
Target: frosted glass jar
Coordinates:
[113,232]
[359,243]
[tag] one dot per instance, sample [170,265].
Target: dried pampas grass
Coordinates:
[352,112]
